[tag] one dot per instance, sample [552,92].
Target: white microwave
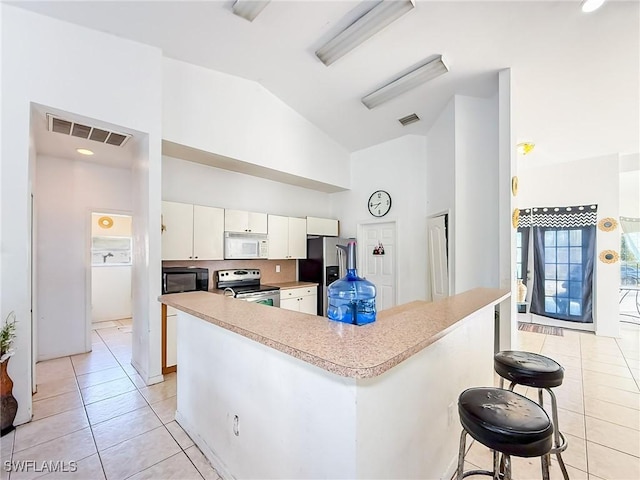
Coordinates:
[245,245]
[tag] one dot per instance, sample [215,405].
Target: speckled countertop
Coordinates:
[346,350]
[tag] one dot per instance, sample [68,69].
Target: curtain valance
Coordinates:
[559,217]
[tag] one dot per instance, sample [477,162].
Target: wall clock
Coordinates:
[379,203]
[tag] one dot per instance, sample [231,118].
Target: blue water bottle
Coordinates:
[352,299]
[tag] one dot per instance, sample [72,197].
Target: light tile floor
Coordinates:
[94,409]
[598,405]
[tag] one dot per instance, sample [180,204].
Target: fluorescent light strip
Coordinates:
[365,27]
[420,75]
[249,9]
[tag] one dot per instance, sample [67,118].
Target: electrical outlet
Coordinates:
[277,268]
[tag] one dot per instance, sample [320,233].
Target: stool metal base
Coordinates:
[501,463]
[559,440]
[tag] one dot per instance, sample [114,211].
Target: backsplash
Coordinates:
[267,268]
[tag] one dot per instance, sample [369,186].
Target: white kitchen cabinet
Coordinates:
[327,227]
[192,232]
[208,233]
[177,231]
[287,237]
[243,221]
[302,299]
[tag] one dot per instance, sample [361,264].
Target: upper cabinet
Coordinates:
[192,232]
[287,237]
[243,221]
[326,227]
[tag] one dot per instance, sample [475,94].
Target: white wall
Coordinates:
[67,67]
[238,118]
[111,284]
[477,256]
[399,167]
[110,292]
[462,178]
[591,180]
[189,182]
[63,255]
[630,186]
[441,158]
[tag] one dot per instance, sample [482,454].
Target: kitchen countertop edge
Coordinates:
[391,349]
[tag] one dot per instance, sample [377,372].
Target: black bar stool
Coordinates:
[509,424]
[537,371]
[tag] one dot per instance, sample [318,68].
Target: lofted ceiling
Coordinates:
[575,75]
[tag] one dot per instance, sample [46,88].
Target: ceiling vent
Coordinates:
[67,127]
[409,119]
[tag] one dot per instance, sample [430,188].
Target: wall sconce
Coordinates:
[525,148]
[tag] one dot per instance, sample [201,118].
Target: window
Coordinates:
[563,272]
[563,256]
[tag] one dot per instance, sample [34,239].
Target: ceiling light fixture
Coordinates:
[414,78]
[525,148]
[249,9]
[363,28]
[84,151]
[589,6]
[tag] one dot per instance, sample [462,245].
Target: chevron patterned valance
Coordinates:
[559,217]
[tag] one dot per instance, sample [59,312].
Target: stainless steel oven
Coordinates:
[245,285]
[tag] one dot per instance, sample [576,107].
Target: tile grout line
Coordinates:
[626,361]
[584,404]
[157,416]
[88,421]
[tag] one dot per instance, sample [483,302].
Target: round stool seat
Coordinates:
[530,369]
[506,421]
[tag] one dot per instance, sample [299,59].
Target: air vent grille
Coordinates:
[60,126]
[66,127]
[409,119]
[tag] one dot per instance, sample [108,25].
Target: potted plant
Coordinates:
[8,403]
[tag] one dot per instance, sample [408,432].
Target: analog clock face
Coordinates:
[379,203]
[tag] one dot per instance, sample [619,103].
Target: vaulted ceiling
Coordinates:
[575,75]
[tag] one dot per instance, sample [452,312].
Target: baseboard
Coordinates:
[147,380]
[214,459]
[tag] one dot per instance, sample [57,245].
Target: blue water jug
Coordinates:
[352,299]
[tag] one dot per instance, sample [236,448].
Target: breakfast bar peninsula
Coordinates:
[271,393]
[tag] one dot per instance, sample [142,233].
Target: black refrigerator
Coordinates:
[325,263]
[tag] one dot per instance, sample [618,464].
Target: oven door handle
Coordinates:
[264,294]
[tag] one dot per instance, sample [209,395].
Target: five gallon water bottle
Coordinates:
[352,299]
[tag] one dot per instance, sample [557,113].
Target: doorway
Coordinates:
[111,263]
[377,260]
[437,254]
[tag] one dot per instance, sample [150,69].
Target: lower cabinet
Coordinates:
[169,349]
[303,299]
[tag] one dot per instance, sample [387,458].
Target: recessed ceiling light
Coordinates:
[589,6]
[84,151]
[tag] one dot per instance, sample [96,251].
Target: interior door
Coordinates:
[437,255]
[376,261]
